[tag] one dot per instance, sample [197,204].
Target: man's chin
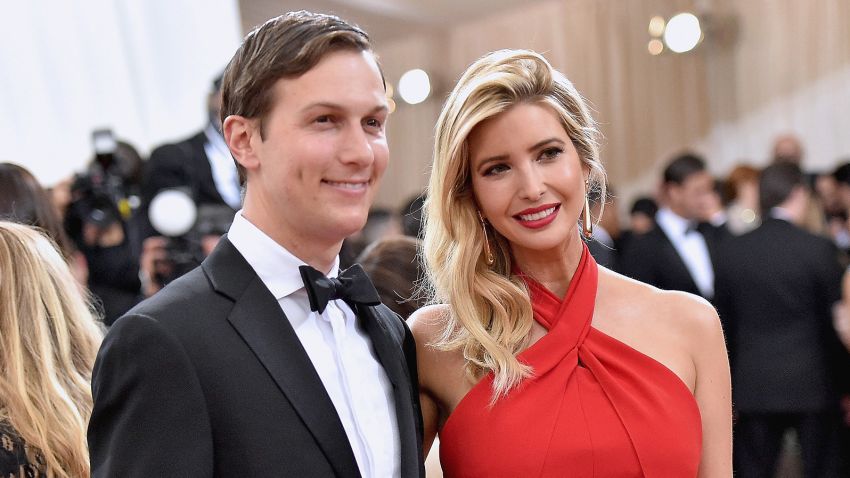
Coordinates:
[349,226]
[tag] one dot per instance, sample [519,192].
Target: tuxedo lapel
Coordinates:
[260,322]
[676,265]
[388,348]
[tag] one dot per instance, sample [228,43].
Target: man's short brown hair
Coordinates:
[283,47]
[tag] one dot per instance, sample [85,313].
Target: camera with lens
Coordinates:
[191,231]
[102,196]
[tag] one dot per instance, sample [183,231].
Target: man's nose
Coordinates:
[356,147]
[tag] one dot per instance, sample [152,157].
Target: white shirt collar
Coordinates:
[781,213]
[672,223]
[601,236]
[275,266]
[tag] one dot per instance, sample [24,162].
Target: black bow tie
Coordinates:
[694,226]
[698,227]
[352,285]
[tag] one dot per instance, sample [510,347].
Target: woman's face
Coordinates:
[528,179]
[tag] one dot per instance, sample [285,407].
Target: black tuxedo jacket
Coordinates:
[183,164]
[775,289]
[207,378]
[653,259]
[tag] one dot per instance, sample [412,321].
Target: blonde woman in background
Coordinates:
[537,362]
[48,341]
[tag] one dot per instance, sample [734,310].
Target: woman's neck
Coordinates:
[553,269]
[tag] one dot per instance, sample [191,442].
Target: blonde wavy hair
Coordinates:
[48,341]
[491,314]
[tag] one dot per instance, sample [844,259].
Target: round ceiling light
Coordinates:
[683,33]
[414,86]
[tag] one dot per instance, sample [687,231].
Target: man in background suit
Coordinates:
[776,287]
[201,164]
[202,167]
[677,253]
[266,361]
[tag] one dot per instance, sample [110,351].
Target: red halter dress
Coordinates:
[595,407]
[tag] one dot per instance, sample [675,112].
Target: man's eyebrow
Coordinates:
[334,106]
[380,108]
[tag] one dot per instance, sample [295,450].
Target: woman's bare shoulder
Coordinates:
[429,322]
[682,311]
[428,325]
[441,370]
[680,330]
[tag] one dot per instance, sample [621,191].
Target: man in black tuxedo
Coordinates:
[775,289]
[201,164]
[265,361]
[678,253]
[203,168]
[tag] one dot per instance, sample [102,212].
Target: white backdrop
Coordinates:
[142,68]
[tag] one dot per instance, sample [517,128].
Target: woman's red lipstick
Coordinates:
[540,219]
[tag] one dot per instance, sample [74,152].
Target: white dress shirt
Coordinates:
[339,349]
[224,173]
[691,246]
[602,236]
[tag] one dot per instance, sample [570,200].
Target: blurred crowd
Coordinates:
[768,247]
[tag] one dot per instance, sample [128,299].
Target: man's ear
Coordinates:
[672,192]
[242,137]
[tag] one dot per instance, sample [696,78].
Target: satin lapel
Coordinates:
[260,322]
[680,268]
[389,352]
[258,319]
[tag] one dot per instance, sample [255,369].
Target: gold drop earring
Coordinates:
[587,221]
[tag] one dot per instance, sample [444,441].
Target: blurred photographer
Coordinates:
[187,234]
[202,169]
[201,164]
[102,220]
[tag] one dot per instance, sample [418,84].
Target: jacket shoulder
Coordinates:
[182,302]
[392,321]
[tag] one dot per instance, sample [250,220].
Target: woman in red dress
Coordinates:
[537,362]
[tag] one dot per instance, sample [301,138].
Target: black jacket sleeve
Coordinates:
[149,416]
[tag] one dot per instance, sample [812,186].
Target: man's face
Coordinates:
[694,198]
[324,150]
[640,223]
[843,194]
[788,149]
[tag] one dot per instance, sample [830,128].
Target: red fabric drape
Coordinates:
[595,407]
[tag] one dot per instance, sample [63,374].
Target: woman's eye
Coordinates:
[496,169]
[323,119]
[374,123]
[551,153]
